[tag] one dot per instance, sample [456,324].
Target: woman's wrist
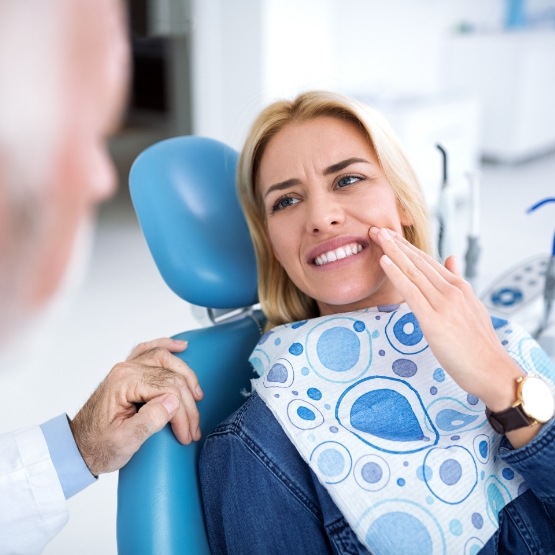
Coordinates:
[500,392]
[497,388]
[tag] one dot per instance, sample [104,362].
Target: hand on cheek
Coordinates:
[455,323]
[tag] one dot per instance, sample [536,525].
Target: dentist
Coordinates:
[63,78]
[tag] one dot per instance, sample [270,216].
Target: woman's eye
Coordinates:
[348,180]
[284,202]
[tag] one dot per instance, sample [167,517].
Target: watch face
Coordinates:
[537,399]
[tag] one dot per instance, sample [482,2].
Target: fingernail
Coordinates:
[171,403]
[197,433]
[181,341]
[198,391]
[386,260]
[374,230]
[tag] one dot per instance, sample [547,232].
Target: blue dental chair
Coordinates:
[183,191]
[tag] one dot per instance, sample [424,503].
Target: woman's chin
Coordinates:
[342,297]
[338,304]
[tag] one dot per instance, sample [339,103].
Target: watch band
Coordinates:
[510,419]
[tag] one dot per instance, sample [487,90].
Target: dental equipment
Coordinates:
[473,249]
[521,291]
[445,212]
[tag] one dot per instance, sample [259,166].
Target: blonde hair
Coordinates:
[280,298]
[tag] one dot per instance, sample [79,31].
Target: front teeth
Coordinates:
[338,254]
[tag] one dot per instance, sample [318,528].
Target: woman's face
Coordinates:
[323,189]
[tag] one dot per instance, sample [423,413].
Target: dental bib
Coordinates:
[406,455]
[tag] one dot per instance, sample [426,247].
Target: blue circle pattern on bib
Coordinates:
[370,426]
[339,349]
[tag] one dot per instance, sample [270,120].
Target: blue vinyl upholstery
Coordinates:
[183,191]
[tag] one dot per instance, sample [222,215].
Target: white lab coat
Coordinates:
[33,508]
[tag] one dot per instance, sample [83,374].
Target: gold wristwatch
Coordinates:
[534,404]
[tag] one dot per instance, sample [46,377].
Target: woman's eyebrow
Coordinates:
[334,168]
[281,186]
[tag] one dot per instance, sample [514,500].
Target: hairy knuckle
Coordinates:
[163,379]
[153,377]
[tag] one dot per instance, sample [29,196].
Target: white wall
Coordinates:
[298,50]
[227,66]
[247,52]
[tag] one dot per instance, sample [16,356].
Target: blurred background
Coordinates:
[476,77]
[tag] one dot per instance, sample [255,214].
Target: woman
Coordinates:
[367,428]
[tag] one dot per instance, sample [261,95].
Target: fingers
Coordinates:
[449,272]
[416,274]
[163,371]
[424,261]
[164,374]
[156,413]
[186,421]
[162,358]
[406,287]
[109,449]
[151,418]
[451,265]
[156,372]
[172,345]
[109,429]
[413,275]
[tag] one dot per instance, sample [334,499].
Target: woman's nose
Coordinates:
[323,214]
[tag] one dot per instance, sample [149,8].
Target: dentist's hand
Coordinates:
[109,429]
[454,321]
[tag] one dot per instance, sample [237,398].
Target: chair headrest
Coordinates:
[183,191]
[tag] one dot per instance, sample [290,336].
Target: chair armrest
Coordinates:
[159,499]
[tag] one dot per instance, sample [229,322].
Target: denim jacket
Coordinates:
[260,497]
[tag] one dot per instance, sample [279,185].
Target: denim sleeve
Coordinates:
[72,471]
[535,461]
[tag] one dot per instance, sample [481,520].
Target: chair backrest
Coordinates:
[183,191]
